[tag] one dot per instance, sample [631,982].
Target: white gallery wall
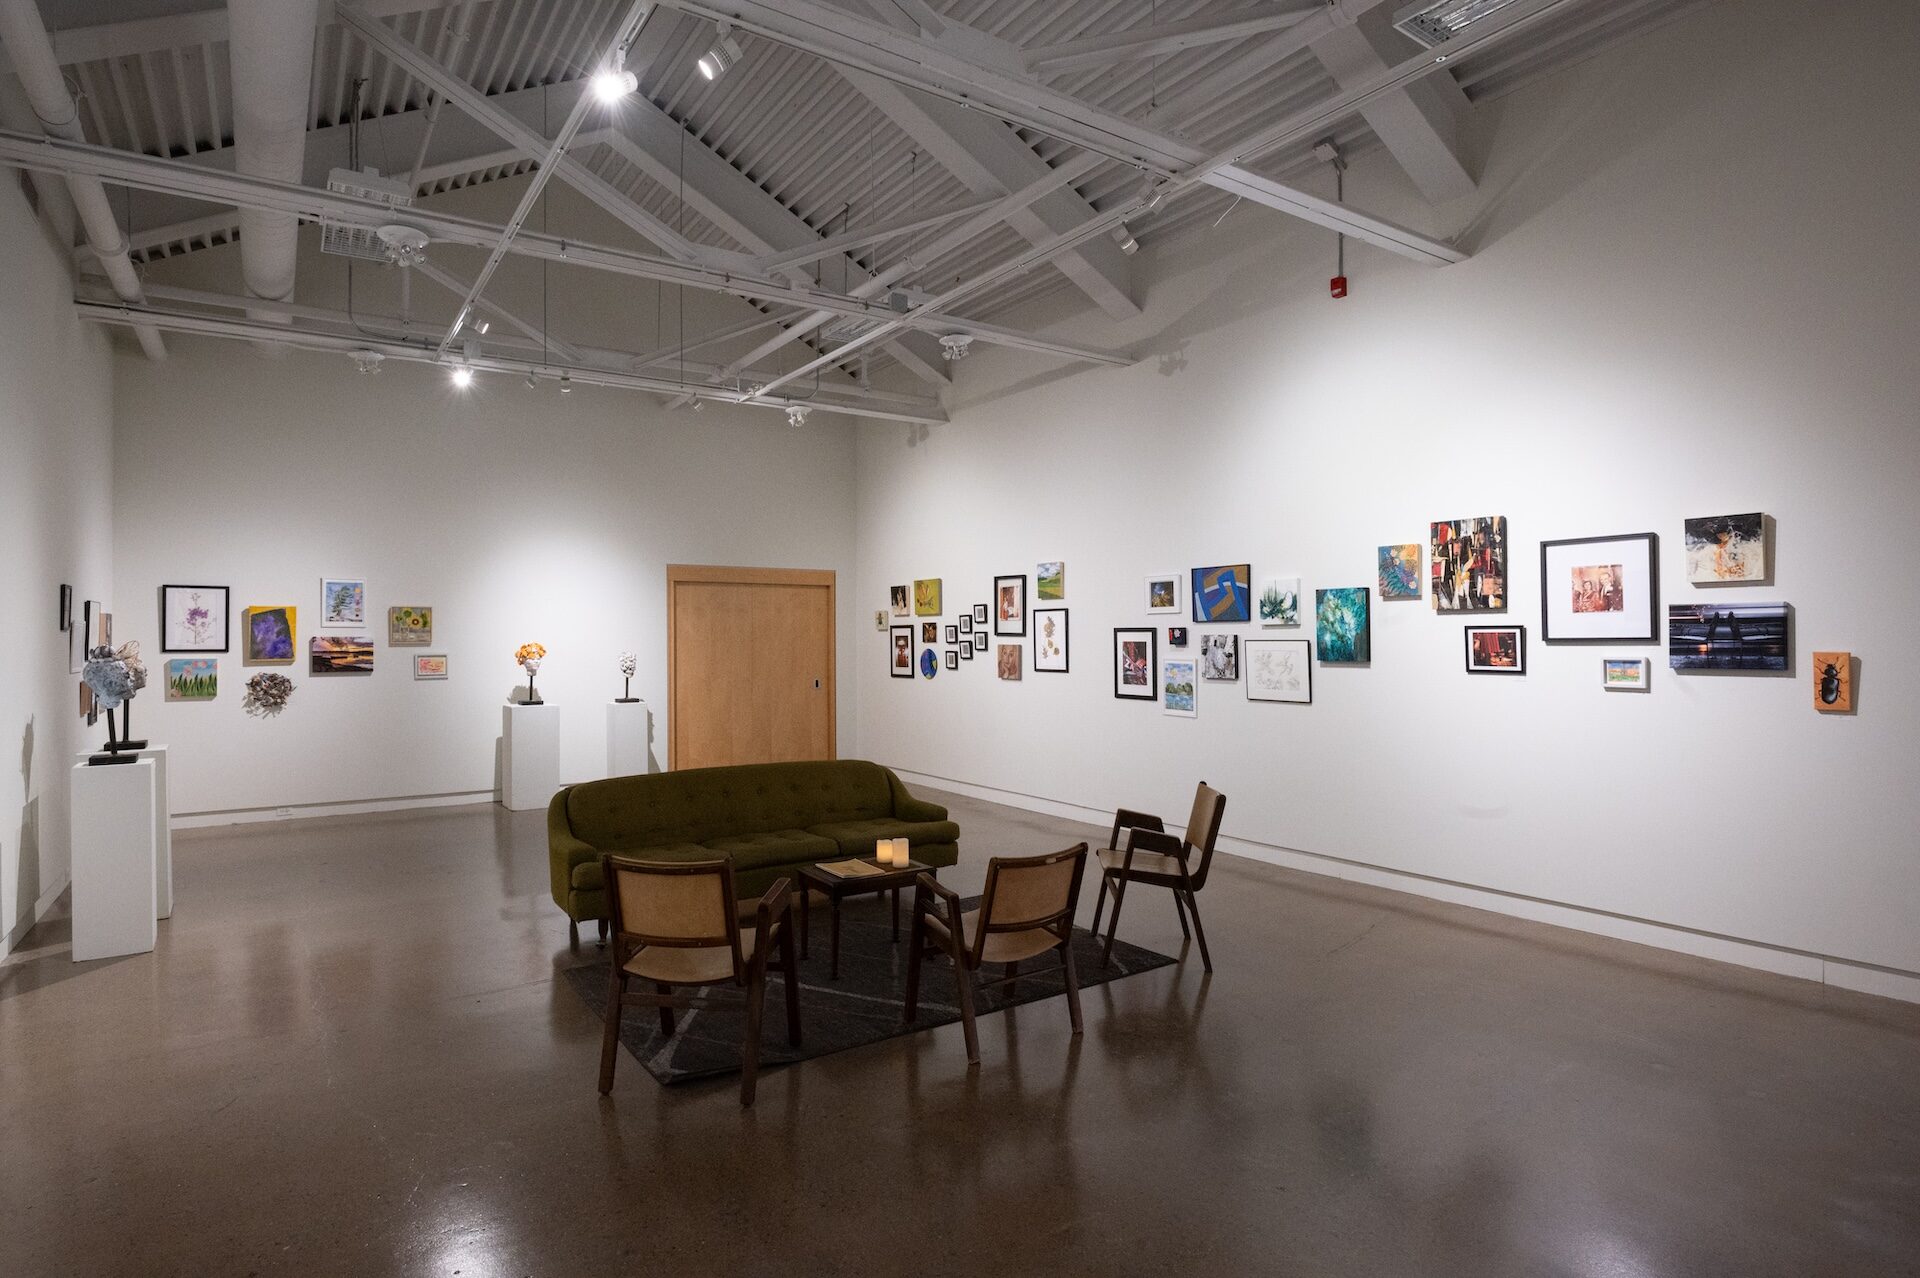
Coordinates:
[1694,291]
[55,527]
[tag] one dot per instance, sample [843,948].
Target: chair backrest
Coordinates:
[677,904]
[1203,827]
[1024,893]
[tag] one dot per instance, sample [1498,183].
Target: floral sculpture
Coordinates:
[529,655]
[628,664]
[267,695]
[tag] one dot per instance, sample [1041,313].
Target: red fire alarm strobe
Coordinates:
[1337,286]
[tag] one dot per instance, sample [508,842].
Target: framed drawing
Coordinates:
[1496,649]
[1727,549]
[1343,625]
[926,597]
[900,652]
[270,636]
[1280,670]
[343,602]
[1220,657]
[193,619]
[428,665]
[966,623]
[1833,682]
[1600,589]
[1182,694]
[1163,592]
[1467,564]
[1222,594]
[410,626]
[1623,674]
[193,679]
[979,614]
[1280,601]
[1731,636]
[1050,640]
[1135,663]
[966,650]
[1400,571]
[1010,606]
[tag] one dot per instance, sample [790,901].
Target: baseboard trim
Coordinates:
[344,807]
[32,918]
[1827,969]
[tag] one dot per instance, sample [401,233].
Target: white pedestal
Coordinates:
[629,731]
[162,829]
[529,755]
[113,883]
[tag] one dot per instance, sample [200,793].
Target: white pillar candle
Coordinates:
[883,851]
[901,856]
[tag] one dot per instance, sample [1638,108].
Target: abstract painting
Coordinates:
[1624,674]
[1135,674]
[900,652]
[1280,601]
[1600,589]
[193,679]
[1010,606]
[897,601]
[1496,650]
[339,654]
[1163,592]
[926,597]
[1280,670]
[1400,571]
[1220,657]
[1050,640]
[1343,626]
[343,601]
[1733,636]
[1727,548]
[1050,581]
[1833,682]
[429,665]
[1176,636]
[410,626]
[193,619]
[929,663]
[1223,594]
[271,633]
[1009,660]
[1467,564]
[1182,689]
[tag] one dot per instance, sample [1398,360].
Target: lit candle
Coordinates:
[901,857]
[883,851]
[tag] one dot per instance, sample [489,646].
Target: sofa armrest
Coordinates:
[908,808]
[564,851]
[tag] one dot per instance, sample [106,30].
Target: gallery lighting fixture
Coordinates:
[1434,22]
[462,377]
[614,82]
[797,414]
[404,245]
[566,383]
[367,361]
[953,347]
[725,52]
[1124,238]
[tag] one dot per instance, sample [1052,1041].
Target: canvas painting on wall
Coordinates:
[410,626]
[1343,627]
[1624,674]
[343,601]
[900,652]
[1400,571]
[1727,548]
[926,597]
[1467,564]
[193,619]
[1182,689]
[1731,636]
[1223,594]
[897,601]
[1496,649]
[340,654]
[1050,640]
[1010,606]
[1280,601]
[929,632]
[1163,592]
[1176,636]
[193,679]
[429,665]
[1279,670]
[1050,581]
[1009,661]
[1600,589]
[1833,682]
[1135,668]
[271,634]
[1220,657]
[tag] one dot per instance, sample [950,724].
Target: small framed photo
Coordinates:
[929,632]
[966,623]
[952,634]
[953,658]
[966,650]
[193,619]
[1050,640]
[1136,663]
[343,602]
[900,651]
[897,601]
[979,614]
[1010,607]
[1600,589]
[980,642]
[1496,650]
[1163,592]
[1623,674]
[1280,670]
[429,665]
[1176,636]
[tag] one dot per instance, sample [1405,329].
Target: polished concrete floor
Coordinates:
[349,1055]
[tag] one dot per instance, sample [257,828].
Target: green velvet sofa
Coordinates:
[770,818]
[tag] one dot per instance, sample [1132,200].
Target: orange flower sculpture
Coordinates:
[529,655]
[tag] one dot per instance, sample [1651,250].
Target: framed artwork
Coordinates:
[1496,650]
[1400,571]
[1050,640]
[1182,695]
[106,630]
[1467,564]
[270,637]
[1600,589]
[1050,581]
[410,626]
[929,663]
[1009,660]
[193,679]
[1163,592]
[193,619]
[1136,673]
[429,665]
[66,607]
[1343,625]
[880,620]
[88,710]
[1176,636]
[1010,606]
[953,658]
[1280,601]
[966,650]
[340,654]
[1280,670]
[1220,657]
[966,623]
[929,632]
[1223,594]
[1727,548]
[898,602]
[926,597]
[900,652]
[343,602]
[1833,682]
[1623,674]
[952,634]
[980,642]
[979,614]
[1733,636]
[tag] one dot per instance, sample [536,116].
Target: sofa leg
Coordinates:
[603,931]
[573,936]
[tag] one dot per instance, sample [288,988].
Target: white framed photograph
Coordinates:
[343,602]
[1623,674]
[1163,592]
[1179,677]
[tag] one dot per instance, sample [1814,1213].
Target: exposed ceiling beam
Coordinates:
[1419,125]
[1155,42]
[136,36]
[877,233]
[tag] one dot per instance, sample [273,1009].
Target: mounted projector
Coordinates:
[355,239]
[1434,22]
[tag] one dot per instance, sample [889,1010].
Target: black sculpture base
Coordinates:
[124,747]
[102,760]
[626,701]
[531,701]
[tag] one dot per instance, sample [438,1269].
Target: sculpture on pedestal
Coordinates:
[529,655]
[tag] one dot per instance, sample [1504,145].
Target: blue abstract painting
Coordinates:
[1342,626]
[1223,594]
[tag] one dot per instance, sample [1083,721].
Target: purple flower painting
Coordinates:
[270,633]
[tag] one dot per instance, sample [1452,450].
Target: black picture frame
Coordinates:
[1176,636]
[979,614]
[952,634]
[226,619]
[953,658]
[66,607]
[1066,645]
[900,639]
[966,623]
[1647,552]
[929,632]
[1133,692]
[1002,627]
[1519,650]
[966,650]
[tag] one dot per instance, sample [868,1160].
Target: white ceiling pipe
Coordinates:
[57,113]
[272,55]
[56,204]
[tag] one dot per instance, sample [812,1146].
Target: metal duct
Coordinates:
[271,48]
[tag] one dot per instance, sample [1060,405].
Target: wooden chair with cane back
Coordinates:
[1155,858]
[1026,911]
[677,925]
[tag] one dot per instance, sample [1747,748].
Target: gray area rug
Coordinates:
[866,1005]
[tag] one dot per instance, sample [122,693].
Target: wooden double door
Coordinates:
[750,665]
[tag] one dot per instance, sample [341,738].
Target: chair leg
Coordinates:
[1100,904]
[1181,910]
[964,979]
[610,1036]
[750,1050]
[791,962]
[916,950]
[1200,933]
[1013,978]
[666,1013]
[1113,924]
[1073,983]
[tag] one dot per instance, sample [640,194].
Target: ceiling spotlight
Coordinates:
[405,245]
[614,82]
[953,346]
[1434,22]
[462,376]
[482,327]
[566,384]
[367,361]
[725,52]
[1124,238]
[797,414]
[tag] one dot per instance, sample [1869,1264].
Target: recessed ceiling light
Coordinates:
[725,52]
[1434,22]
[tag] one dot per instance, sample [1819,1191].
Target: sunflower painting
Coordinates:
[410,626]
[926,597]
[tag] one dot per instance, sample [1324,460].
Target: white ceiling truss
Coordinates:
[873,176]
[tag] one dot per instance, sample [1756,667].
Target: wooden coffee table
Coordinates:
[836,887]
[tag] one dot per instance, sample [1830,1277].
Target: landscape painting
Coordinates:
[1343,625]
[1467,564]
[1400,571]
[1280,670]
[1280,601]
[1624,673]
[1182,690]
[1223,594]
[339,654]
[1733,636]
[193,679]
[270,636]
[1727,548]
[1050,581]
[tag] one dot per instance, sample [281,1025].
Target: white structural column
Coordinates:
[114,906]
[272,54]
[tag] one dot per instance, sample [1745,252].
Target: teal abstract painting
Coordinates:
[1342,626]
